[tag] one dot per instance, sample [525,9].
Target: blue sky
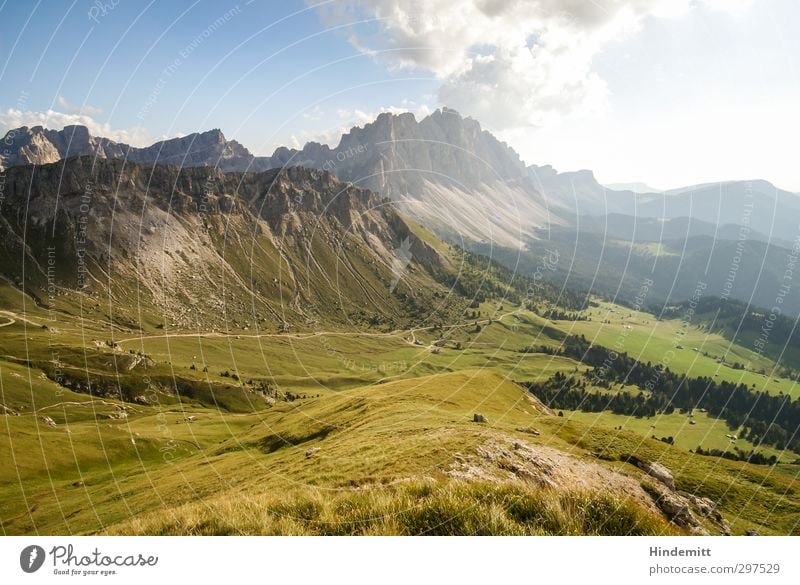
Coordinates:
[668,92]
[247,75]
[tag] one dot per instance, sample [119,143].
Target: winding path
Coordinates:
[14,317]
[403,333]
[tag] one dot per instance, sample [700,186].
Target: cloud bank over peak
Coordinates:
[509,63]
[55,120]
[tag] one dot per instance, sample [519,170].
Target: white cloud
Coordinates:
[314,114]
[734,6]
[12,118]
[509,63]
[86,109]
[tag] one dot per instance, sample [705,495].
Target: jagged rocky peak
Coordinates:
[395,154]
[209,148]
[445,171]
[38,145]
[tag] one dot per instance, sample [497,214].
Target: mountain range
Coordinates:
[444,171]
[447,173]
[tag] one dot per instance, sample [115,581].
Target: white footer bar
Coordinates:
[407,560]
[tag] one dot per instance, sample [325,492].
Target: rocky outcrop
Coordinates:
[653,469]
[693,513]
[8,411]
[505,459]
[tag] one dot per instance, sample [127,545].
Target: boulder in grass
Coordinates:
[655,470]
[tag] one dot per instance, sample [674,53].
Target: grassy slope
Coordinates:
[648,339]
[369,436]
[410,508]
[91,471]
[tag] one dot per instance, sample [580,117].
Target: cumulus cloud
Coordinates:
[86,109]
[55,120]
[510,63]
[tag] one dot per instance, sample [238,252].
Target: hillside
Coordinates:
[409,447]
[306,426]
[199,247]
[610,258]
[450,175]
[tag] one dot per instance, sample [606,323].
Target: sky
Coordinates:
[664,92]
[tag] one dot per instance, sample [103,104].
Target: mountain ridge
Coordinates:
[293,244]
[445,170]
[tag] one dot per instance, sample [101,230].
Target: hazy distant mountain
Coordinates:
[599,263]
[758,205]
[766,212]
[579,193]
[639,230]
[636,187]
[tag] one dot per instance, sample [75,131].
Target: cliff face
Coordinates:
[41,146]
[395,154]
[443,170]
[295,244]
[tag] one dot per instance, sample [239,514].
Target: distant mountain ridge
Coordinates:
[471,189]
[38,145]
[636,187]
